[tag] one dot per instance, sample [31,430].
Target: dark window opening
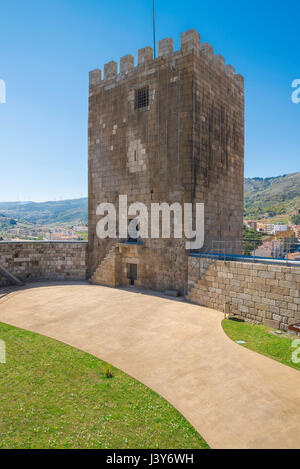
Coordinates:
[132,273]
[141,97]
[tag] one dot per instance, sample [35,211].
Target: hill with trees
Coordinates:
[276,198]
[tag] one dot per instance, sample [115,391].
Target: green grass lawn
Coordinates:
[55,396]
[261,340]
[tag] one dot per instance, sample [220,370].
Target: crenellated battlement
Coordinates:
[165,47]
[126,64]
[189,42]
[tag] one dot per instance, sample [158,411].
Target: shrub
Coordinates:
[108,373]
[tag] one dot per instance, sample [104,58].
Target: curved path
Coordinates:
[235,398]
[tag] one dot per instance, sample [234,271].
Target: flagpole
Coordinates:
[154,39]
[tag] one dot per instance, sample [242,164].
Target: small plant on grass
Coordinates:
[108,373]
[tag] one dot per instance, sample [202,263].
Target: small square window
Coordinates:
[141,97]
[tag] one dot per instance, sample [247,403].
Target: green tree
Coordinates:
[296,219]
[252,239]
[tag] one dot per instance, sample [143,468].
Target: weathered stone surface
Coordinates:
[273,306]
[30,261]
[271,323]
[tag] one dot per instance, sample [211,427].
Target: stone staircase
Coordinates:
[200,275]
[197,271]
[107,273]
[10,277]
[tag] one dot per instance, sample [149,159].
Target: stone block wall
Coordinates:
[33,261]
[262,293]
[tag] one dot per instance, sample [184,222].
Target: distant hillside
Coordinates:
[272,198]
[69,212]
[277,197]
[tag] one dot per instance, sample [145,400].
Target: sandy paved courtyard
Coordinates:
[233,397]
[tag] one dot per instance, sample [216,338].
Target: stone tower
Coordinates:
[167,130]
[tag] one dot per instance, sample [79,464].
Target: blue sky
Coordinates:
[49,46]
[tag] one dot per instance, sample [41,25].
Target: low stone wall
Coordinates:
[31,261]
[262,293]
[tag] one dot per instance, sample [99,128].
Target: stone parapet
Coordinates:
[35,261]
[261,293]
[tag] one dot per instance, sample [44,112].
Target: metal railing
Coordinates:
[251,250]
